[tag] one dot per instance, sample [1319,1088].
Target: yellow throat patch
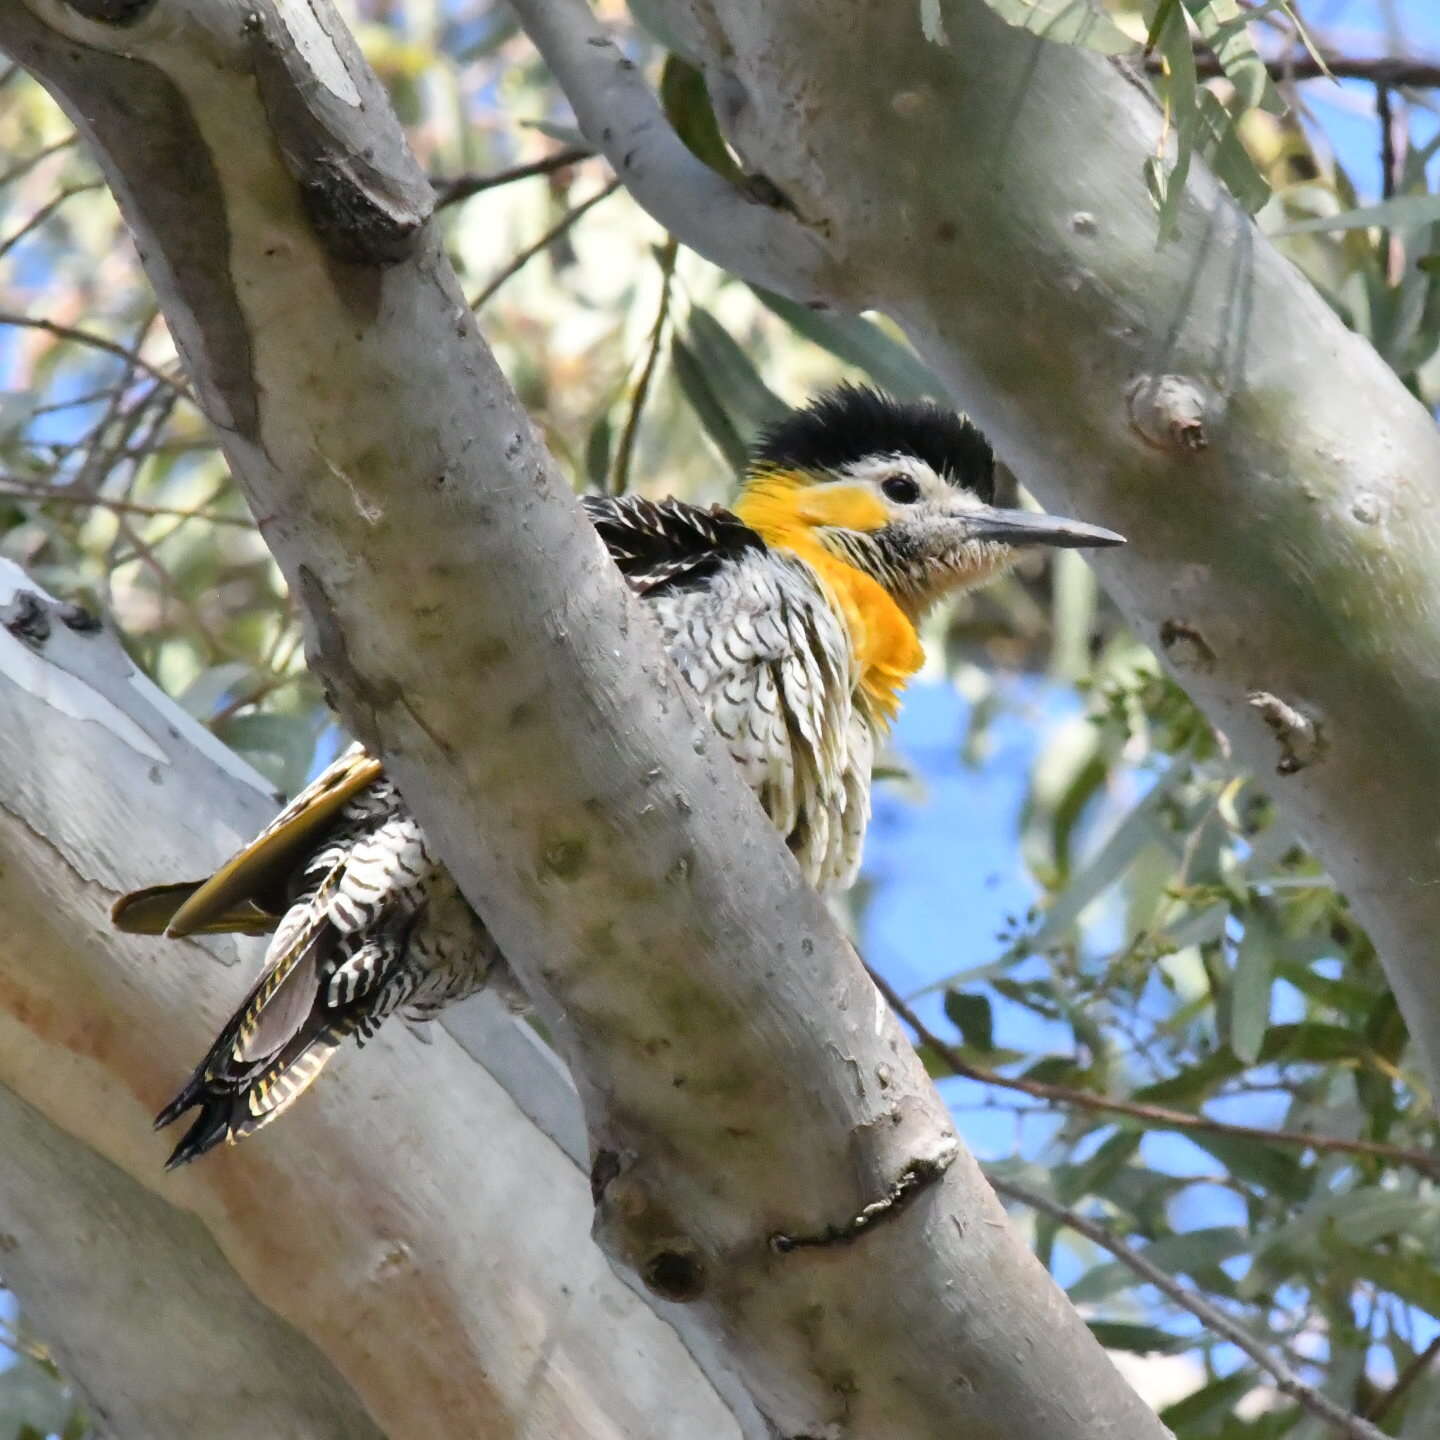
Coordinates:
[784,508]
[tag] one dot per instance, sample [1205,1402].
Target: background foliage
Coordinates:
[1153,978]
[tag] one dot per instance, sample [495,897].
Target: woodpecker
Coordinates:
[793,618]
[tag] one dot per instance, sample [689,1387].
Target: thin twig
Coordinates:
[45,212]
[29,162]
[620,475]
[178,446]
[765,243]
[1383,1403]
[462,187]
[1383,69]
[97,342]
[100,458]
[261,690]
[21,489]
[1160,1115]
[1215,1320]
[1392,246]
[1385,115]
[543,243]
[92,397]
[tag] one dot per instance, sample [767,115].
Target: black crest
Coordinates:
[853,421]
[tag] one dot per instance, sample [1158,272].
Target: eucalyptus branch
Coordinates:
[763,243]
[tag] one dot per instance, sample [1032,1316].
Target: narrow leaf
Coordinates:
[747,396]
[1222,26]
[1139,1339]
[972,1017]
[695,386]
[862,343]
[1403,212]
[1255,961]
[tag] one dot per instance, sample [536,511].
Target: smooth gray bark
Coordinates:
[741,1078]
[1279,485]
[407,1243]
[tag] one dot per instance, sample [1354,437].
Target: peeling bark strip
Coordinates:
[518,694]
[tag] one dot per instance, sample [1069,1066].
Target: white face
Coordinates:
[921,548]
[904,482]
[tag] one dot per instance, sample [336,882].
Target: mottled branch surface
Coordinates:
[741,1079]
[1279,485]
[407,1226]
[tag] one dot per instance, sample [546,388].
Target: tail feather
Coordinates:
[151,911]
[363,923]
[281,1038]
[238,1096]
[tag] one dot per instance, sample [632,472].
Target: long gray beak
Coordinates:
[1025,527]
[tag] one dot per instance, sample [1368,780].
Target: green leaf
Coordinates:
[1356,1220]
[688,109]
[1209,1404]
[1255,961]
[279,746]
[747,396]
[972,1016]
[1066,22]
[31,1398]
[695,386]
[1223,148]
[209,690]
[1074,1182]
[1171,36]
[859,342]
[1272,1170]
[597,452]
[1224,28]
[1136,830]
[1139,1339]
[1401,213]
[1402,1272]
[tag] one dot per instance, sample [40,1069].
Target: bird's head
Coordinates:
[902,492]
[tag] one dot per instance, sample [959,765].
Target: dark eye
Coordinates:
[901,489]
